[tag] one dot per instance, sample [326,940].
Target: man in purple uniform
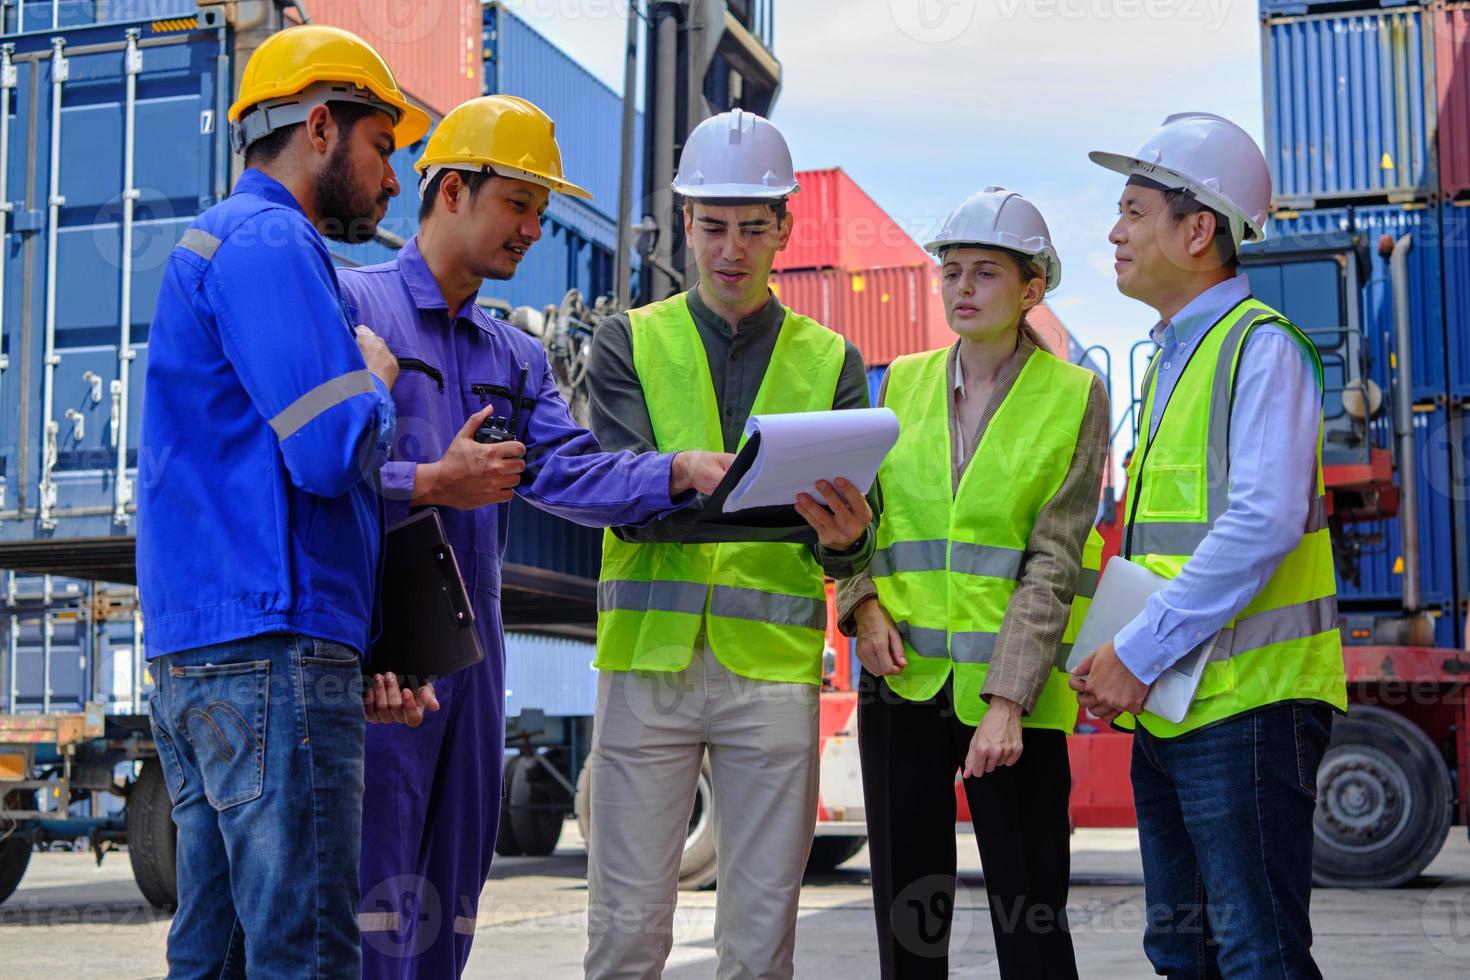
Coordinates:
[429,835]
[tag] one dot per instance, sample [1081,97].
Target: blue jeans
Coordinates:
[261,742]
[1225,829]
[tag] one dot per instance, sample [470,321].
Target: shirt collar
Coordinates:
[425,292]
[773,313]
[422,285]
[1204,311]
[261,184]
[1025,344]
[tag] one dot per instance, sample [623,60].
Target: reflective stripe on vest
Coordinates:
[1284,645]
[948,563]
[761,607]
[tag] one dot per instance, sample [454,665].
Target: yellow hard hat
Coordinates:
[503,134]
[337,64]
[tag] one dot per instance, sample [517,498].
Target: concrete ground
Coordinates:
[71,919]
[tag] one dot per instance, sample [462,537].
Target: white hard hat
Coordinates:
[999,218]
[1212,158]
[736,155]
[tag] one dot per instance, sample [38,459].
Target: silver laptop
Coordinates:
[1122,594]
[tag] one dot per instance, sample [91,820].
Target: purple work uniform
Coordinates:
[428,834]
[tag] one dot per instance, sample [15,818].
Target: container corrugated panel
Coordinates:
[1350,106]
[1459,493]
[588,114]
[1452,75]
[1426,289]
[1381,562]
[540,540]
[1455,239]
[42,15]
[886,312]
[551,674]
[836,225]
[433,46]
[181,167]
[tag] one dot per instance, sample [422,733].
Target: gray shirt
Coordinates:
[737,364]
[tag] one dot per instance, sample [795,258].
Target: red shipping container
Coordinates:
[1452,74]
[433,46]
[886,311]
[837,226]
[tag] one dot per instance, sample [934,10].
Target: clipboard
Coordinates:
[770,518]
[428,622]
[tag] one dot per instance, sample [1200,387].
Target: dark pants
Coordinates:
[910,753]
[261,746]
[1225,829]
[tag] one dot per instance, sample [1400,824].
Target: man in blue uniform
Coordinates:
[429,837]
[259,523]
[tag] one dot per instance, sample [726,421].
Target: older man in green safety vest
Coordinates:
[704,645]
[1225,499]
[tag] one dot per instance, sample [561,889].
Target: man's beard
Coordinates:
[347,214]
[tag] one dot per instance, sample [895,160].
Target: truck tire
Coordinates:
[533,794]
[506,844]
[152,838]
[1384,802]
[697,864]
[829,852]
[15,848]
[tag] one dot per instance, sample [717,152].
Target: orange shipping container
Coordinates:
[433,46]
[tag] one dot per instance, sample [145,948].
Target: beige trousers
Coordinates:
[649,739]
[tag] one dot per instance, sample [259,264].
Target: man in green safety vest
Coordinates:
[1226,500]
[707,646]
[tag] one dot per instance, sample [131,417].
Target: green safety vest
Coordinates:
[1284,645]
[763,606]
[948,562]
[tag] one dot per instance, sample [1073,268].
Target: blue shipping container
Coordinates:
[550,674]
[46,15]
[1455,243]
[1381,561]
[1350,106]
[588,114]
[1426,294]
[61,467]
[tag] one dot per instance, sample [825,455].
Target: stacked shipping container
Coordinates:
[1367,113]
[70,375]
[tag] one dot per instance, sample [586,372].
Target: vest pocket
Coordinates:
[1174,491]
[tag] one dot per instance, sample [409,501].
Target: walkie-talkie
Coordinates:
[498,428]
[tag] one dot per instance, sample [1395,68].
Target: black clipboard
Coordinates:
[428,622]
[781,518]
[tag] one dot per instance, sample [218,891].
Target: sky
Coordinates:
[925,102]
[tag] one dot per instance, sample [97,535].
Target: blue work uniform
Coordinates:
[259,535]
[429,831]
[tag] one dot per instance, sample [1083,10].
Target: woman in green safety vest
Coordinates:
[965,616]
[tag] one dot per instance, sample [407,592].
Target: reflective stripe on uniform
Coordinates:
[323,398]
[925,642]
[768,607]
[929,556]
[464,925]
[377,921]
[909,556]
[1296,622]
[201,243]
[674,597]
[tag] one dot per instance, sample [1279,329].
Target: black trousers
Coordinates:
[910,753]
